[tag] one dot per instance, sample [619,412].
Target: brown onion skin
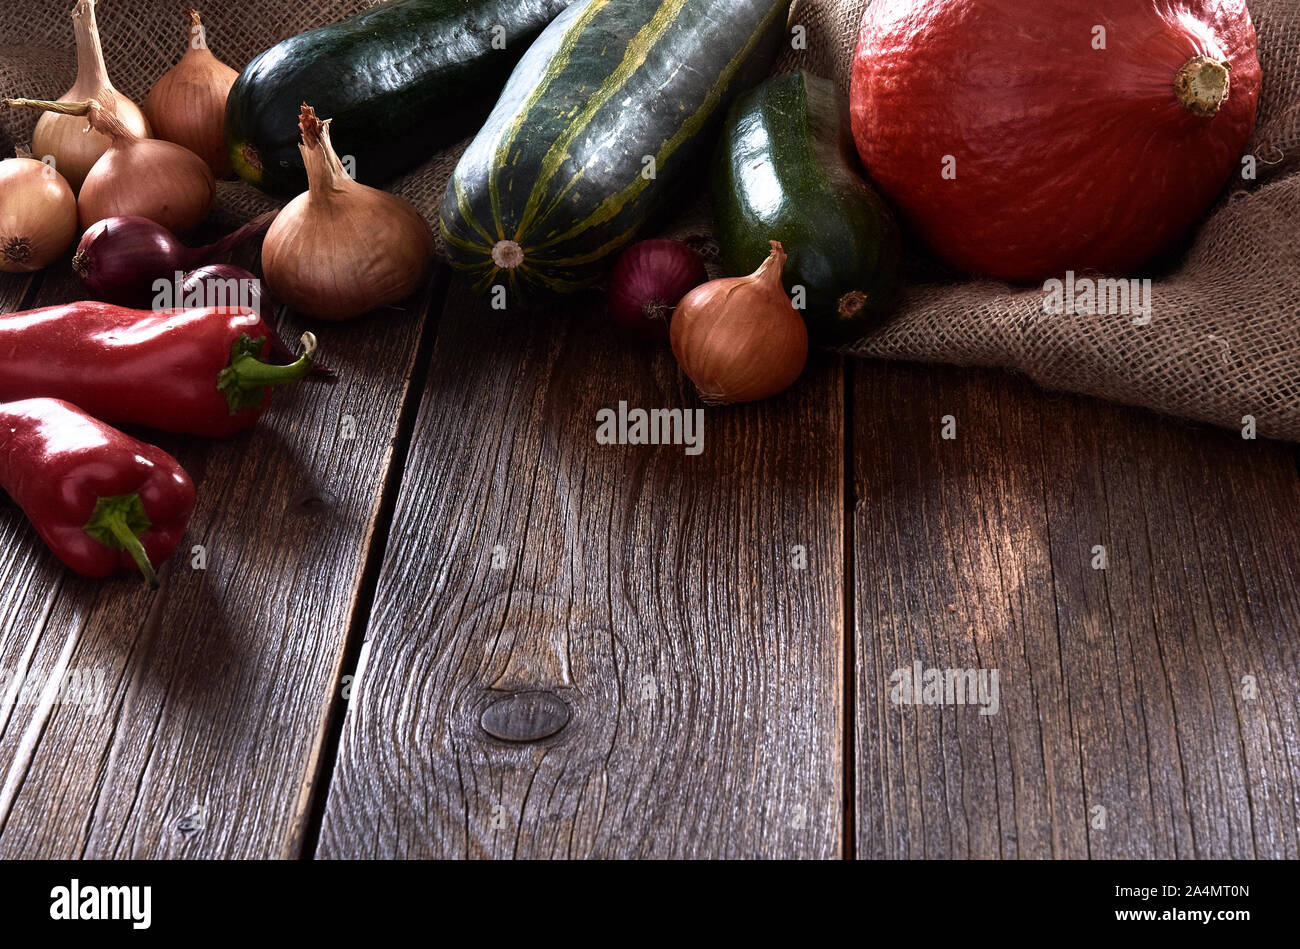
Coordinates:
[141,177]
[341,249]
[740,339]
[179,199]
[648,281]
[65,137]
[38,215]
[338,294]
[188,104]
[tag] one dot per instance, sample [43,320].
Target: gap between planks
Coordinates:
[848,685]
[358,626]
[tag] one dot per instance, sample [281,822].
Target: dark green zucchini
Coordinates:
[400,81]
[787,170]
[608,117]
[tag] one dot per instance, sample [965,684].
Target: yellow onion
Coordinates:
[740,339]
[38,215]
[341,248]
[136,177]
[64,137]
[188,104]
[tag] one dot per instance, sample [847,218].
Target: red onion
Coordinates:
[222,285]
[119,258]
[650,278]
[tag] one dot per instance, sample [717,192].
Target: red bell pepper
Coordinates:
[194,372]
[100,499]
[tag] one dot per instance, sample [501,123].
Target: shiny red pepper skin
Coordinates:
[141,367]
[59,464]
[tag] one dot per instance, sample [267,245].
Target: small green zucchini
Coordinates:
[787,170]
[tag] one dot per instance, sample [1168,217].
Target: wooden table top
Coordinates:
[435,555]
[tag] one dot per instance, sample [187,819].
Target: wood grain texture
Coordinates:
[206,735]
[1125,687]
[13,287]
[650,591]
[589,650]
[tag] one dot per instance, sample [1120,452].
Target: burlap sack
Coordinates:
[1224,341]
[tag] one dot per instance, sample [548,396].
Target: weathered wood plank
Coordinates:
[651,592]
[1123,688]
[13,288]
[217,689]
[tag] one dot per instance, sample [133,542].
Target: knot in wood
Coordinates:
[525,716]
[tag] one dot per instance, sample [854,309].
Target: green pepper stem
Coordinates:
[118,522]
[244,381]
[252,373]
[131,544]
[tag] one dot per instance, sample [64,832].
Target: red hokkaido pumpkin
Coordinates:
[1023,138]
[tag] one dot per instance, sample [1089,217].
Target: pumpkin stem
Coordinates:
[1202,85]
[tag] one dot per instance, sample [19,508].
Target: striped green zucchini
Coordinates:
[607,117]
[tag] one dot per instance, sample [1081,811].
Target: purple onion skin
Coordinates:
[212,279]
[648,281]
[119,258]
